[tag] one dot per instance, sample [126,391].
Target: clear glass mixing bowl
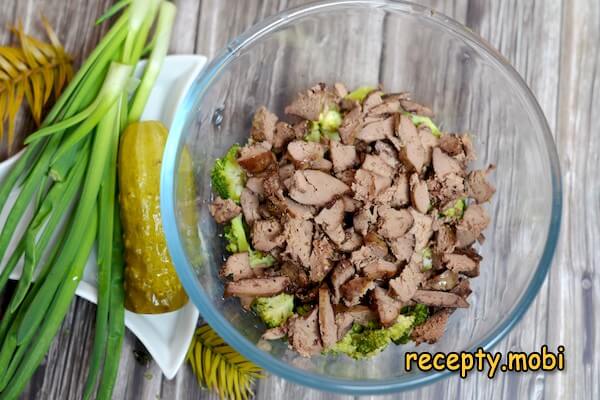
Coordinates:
[471,88]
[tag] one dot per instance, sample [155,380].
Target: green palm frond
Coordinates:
[219,367]
[34,71]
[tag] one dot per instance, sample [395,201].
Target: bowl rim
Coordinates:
[185,269]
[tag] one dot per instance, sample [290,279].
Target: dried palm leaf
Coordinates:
[35,71]
[219,367]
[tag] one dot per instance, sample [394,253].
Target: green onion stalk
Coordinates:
[67,200]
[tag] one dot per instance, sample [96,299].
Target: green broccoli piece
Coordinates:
[314,134]
[456,211]
[227,177]
[304,309]
[403,326]
[422,120]
[330,121]
[366,341]
[261,260]
[418,314]
[360,94]
[427,259]
[274,311]
[235,234]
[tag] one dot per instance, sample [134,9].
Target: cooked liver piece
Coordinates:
[321,259]
[376,130]
[298,236]
[343,156]
[362,257]
[344,321]
[474,221]
[257,287]
[397,195]
[387,107]
[393,223]
[266,235]
[376,243]
[380,269]
[296,210]
[403,247]
[224,210]
[367,185]
[443,164]
[263,125]
[451,144]
[303,153]
[405,285]
[445,239]
[351,124]
[387,154]
[250,203]
[255,184]
[421,228]
[377,165]
[284,133]
[297,274]
[256,158]
[316,188]
[461,263]
[343,271]
[362,314]
[431,330]
[327,325]
[304,334]
[439,299]
[352,242]
[237,267]
[373,99]
[387,307]
[478,186]
[355,289]
[311,103]
[331,221]
[419,194]
[278,332]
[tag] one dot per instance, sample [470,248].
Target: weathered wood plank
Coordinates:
[574,281]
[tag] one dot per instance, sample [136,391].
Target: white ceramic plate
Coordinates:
[166,336]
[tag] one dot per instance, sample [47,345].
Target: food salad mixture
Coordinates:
[353,223]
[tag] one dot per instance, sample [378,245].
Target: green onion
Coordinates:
[76,146]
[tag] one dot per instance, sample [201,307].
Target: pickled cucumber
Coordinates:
[151,283]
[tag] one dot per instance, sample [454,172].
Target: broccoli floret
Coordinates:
[259,259]
[274,311]
[427,259]
[403,326]
[327,126]
[314,134]
[456,211]
[227,177]
[304,309]
[422,120]
[366,341]
[330,121]
[418,314]
[236,236]
[360,94]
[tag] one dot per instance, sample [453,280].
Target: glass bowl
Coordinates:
[405,47]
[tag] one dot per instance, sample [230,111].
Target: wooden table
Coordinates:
[554,44]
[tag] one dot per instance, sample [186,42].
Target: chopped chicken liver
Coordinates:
[352,224]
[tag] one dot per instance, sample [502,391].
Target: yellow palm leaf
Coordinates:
[219,367]
[35,71]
